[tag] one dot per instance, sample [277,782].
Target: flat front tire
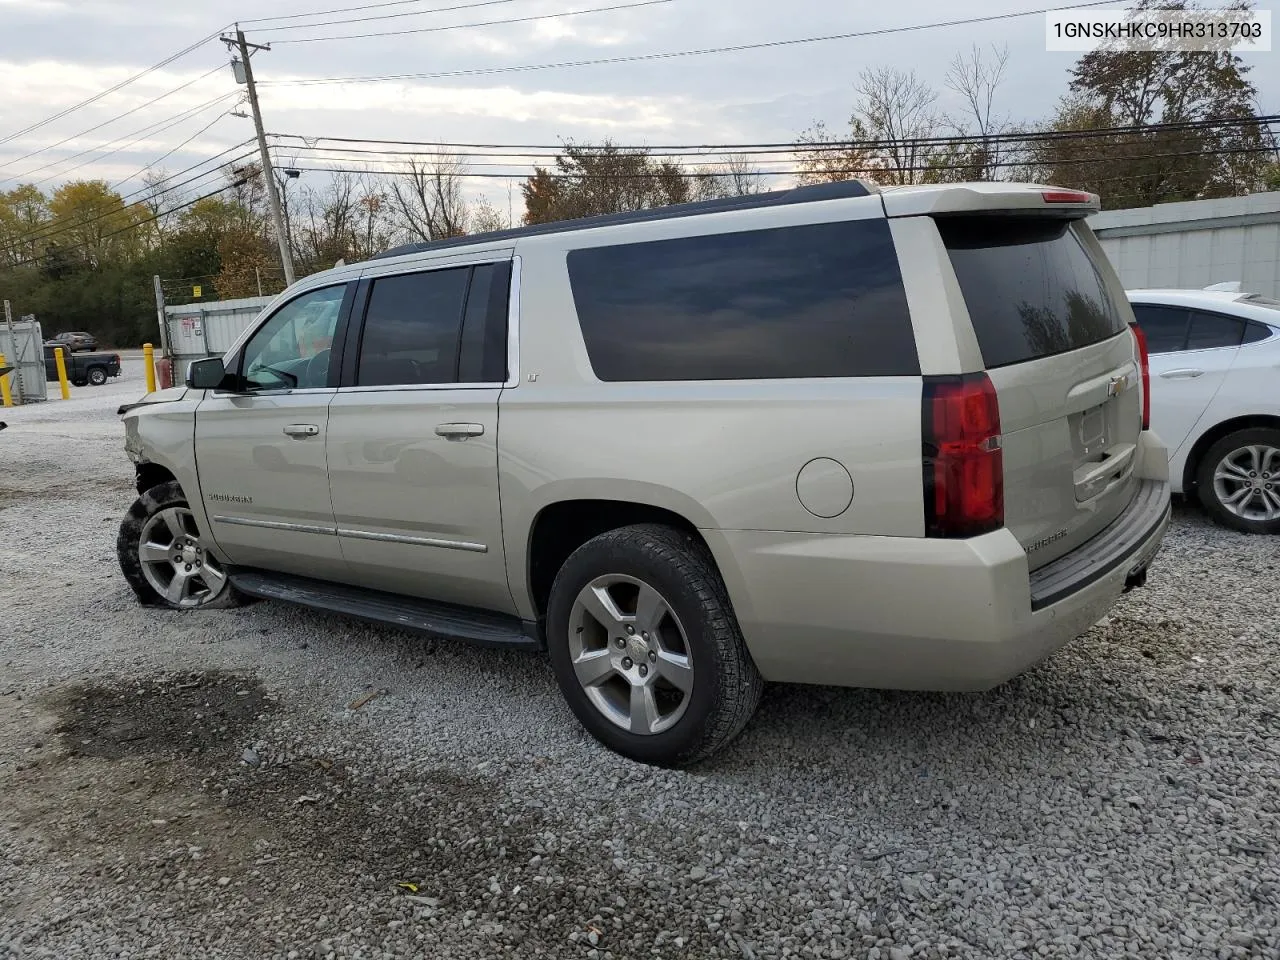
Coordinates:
[646,647]
[165,558]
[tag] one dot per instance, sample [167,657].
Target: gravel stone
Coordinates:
[1117,801]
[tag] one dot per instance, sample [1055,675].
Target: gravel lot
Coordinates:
[269,782]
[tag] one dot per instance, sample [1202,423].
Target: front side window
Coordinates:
[291,350]
[1164,327]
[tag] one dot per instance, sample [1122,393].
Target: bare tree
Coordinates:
[897,108]
[160,198]
[428,200]
[737,176]
[325,232]
[976,79]
[486,218]
[372,232]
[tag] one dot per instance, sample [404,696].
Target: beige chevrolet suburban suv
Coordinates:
[835,434]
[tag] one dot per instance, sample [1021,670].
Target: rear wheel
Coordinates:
[1238,480]
[646,648]
[97,376]
[164,557]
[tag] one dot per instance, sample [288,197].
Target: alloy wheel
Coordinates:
[631,654]
[175,562]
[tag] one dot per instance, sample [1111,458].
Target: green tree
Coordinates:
[591,180]
[1146,89]
[24,216]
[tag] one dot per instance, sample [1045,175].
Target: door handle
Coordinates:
[1185,374]
[300,430]
[459,431]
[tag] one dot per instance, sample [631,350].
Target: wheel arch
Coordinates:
[148,475]
[1215,433]
[561,526]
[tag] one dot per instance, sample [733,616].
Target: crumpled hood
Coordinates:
[168,395]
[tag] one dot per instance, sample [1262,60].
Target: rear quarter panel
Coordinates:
[723,454]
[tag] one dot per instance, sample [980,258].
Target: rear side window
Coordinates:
[1031,286]
[412,327]
[820,300]
[1165,327]
[482,356]
[1212,330]
[1253,332]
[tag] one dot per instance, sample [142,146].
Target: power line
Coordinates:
[105,123]
[43,233]
[367,6]
[479,23]
[669,55]
[138,135]
[859,171]
[172,151]
[515,160]
[110,90]
[536,151]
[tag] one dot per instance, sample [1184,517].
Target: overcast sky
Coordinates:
[54,53]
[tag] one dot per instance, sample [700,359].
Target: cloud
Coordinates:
[60,52]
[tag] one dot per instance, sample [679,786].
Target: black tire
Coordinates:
[79,383]
[726,686]
[1211,497]
[97,376]
[128,543]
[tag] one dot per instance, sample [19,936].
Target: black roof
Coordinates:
[775,198]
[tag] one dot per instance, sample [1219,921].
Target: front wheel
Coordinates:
[164,557]
[646,648]
[97,376]
[1239,480]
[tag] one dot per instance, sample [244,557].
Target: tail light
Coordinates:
[1144,364]
[963,462]
[1065,196]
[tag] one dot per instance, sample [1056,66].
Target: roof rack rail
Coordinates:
[823,191]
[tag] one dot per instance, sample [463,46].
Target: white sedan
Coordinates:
[1215,398]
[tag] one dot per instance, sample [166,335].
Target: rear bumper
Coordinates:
[921,614]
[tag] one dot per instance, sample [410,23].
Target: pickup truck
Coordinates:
[82,368]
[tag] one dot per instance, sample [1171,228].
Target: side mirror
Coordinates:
[206,374]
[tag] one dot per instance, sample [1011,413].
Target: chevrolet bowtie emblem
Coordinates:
[1117,386]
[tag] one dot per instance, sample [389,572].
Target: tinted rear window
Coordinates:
[1212,330]
[821,300]
[1031,287]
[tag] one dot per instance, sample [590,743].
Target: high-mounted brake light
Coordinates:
[962,457]
[1066,196]
[1144,364]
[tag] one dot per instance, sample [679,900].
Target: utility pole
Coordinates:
[273,196]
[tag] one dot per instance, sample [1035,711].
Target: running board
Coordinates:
[404,613]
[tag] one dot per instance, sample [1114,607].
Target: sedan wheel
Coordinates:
[1247,482]
[1239,480]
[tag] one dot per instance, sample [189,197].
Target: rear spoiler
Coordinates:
[1005,199]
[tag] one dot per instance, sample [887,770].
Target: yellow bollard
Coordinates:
[149,358]
[4,385]
[62,373]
